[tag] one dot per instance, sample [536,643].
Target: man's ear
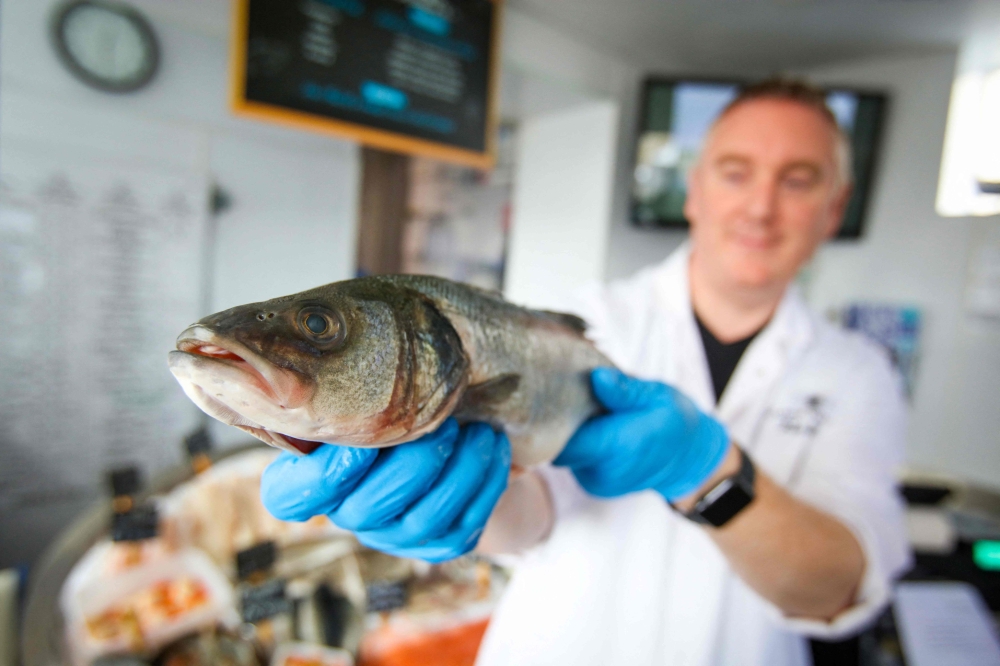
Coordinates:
[837,209]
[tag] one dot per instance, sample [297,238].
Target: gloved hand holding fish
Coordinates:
[428,499]
[378,361]
[400,361]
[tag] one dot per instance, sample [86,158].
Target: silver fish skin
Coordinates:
[382,360]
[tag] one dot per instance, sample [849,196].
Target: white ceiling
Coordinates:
[713,36]
[764,36]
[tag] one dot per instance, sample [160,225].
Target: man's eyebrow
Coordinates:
[730,158]
[813,168]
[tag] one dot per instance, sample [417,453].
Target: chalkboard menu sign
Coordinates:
[413,76]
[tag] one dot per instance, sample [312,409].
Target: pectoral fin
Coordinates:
[480,401]
[492,391]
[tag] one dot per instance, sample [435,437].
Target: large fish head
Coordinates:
[362,362]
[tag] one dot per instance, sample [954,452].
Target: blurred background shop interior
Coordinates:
[148,177]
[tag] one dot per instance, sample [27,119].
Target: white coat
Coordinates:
[628,581]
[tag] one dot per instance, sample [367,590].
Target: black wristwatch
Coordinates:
[730,496]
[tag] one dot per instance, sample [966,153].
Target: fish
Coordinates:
[381,360]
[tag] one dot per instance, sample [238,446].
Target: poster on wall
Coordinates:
[99,268]
[410,76]
[896,329]
[459,218]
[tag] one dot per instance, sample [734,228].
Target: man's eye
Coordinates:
[734,176]
[799,184]
[800,180]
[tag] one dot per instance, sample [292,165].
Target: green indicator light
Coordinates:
[986,555]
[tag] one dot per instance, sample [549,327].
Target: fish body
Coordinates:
[382,360]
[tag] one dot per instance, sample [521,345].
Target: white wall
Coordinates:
[561,204]
[558,67]
[307,228]
[910,255]
[292,223]
[555,60]
[533,46]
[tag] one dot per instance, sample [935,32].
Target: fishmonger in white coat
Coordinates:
[737,496]
[817,410]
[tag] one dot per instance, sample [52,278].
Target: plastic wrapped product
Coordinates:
[143,608]
[446,611]
[220,512]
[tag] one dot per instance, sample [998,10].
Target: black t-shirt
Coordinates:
[722,357]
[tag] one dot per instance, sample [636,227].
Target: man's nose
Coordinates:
[763,202]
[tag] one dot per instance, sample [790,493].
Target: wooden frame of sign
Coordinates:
[373,136]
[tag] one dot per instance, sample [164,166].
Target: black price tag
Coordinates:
[335,614]
[198,442]
[125,481]
[256,558]
[265,600]
[386,596]
[139,524]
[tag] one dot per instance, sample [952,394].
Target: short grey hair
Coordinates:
[804,93]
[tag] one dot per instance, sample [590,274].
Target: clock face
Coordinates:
[108,46]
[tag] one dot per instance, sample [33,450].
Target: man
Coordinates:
[737,499]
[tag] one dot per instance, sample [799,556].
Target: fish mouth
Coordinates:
[280,441]
[205,359]
[282,387]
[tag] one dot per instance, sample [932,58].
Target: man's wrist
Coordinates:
[729,466]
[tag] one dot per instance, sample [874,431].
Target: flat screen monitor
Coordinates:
[675,117]
[411,76]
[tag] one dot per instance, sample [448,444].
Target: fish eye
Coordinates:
[317,324]
[321,326]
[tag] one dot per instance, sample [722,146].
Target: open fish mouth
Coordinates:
[228,381]
[231,359]
[283,388]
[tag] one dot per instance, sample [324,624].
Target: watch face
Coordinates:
[726,504]
[108,46]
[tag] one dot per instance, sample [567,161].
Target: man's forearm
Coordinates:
[521,519]
[804,561]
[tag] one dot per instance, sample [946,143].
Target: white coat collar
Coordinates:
[789,333]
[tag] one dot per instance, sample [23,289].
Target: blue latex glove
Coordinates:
[653,438]
[427,499]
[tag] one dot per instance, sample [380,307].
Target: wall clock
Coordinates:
[107,45]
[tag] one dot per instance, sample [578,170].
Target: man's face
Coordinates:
[765,193]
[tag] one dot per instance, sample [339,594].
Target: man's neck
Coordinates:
[730,313]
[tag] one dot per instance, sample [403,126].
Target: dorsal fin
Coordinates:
[568,320]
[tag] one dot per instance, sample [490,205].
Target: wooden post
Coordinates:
[383,210]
